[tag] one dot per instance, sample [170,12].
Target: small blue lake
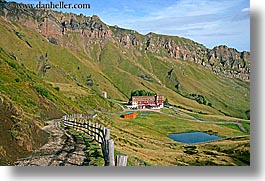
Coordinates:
[193,137]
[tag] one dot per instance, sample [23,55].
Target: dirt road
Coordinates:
[62,149]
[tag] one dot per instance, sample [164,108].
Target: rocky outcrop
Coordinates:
[229,61]
[64,29]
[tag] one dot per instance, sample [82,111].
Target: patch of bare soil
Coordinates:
[17,140]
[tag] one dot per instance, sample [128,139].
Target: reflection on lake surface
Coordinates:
[193,137]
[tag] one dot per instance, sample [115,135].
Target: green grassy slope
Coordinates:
[118,71]
[30,100]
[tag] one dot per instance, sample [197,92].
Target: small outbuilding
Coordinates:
[104,94]
[130,115]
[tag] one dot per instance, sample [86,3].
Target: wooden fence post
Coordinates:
[111,152]
[75,124]
[83,126]
[121,160]
[86,126]
[101,133]
[96,132]
[107,134]
[89,128]
[93,131]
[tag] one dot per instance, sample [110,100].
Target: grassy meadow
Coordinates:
[76,77]
[145,141]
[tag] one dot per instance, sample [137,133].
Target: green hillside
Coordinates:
[46,76]
[27,101]
[119,73]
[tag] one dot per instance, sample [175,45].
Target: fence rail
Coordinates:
[99,133]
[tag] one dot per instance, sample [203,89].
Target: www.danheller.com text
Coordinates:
[51,5]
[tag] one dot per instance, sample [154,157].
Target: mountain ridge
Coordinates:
[57,25]
[96,50]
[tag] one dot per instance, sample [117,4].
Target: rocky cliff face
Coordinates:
[64,29]
[231,62]
[220,59]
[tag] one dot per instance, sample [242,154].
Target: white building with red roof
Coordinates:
[141,102]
